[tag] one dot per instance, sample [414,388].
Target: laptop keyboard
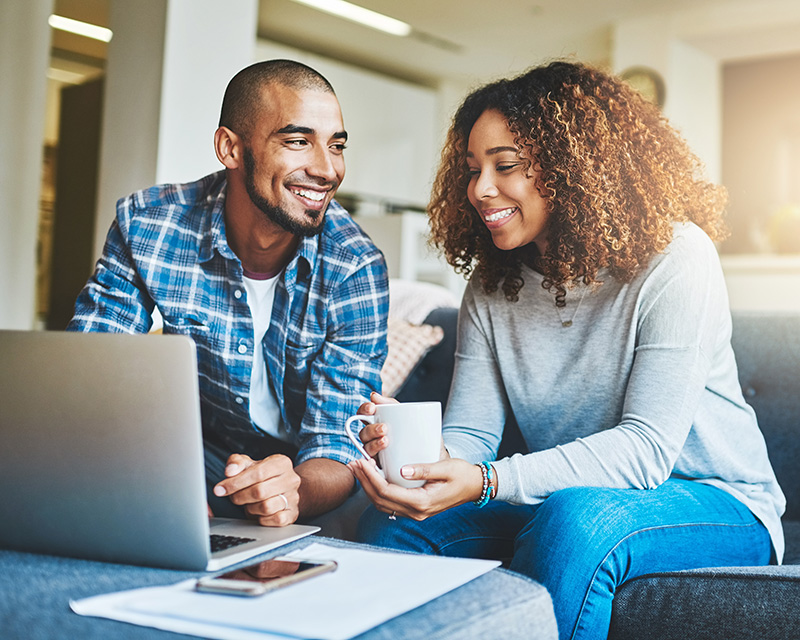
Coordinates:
[220,543]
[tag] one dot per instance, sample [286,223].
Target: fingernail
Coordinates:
[219,491]
[407,472]
[231,469]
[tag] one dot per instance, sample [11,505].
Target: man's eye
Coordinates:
[338,147]
[297,143]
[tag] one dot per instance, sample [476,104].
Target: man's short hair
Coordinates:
[244,97]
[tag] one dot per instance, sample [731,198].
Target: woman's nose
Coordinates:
[485,186]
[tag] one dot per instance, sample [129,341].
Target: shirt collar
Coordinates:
[215,237]
[307,251]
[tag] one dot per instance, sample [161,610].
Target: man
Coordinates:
[284,296]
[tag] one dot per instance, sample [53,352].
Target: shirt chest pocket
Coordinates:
[192,326]
[299,359]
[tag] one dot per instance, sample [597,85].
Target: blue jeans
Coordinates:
[583,543]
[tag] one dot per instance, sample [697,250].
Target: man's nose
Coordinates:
[324,165]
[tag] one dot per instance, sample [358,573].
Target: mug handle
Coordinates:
[356,442]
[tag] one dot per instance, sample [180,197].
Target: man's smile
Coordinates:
[308,194]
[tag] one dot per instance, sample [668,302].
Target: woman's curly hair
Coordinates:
[615,174]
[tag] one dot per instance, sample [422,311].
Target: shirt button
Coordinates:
[237,294]
[242,349]
[239,400]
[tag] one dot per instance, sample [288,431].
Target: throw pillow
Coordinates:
[408,344]
[413,301]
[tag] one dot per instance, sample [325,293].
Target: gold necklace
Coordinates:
[568,323]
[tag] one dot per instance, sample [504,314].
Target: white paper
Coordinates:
[114,606]
[367,589]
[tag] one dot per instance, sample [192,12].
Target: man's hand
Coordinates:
[268,489]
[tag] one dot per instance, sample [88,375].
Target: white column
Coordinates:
[168,65]
[24,55]
[696,106]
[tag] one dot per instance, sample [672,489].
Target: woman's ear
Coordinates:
[228,147]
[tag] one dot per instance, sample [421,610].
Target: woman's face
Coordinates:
[502,192]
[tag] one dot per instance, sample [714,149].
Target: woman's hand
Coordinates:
[373,436]
[449,483]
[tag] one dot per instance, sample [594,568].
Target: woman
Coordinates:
[597,317]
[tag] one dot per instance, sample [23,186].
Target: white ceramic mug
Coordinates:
[414,431]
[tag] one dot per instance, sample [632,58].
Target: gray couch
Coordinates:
[746,603]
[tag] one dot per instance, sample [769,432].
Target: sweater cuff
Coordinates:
[505,483]
[510,485]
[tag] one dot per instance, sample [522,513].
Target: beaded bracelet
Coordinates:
[486,491]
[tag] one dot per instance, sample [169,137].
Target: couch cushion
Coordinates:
[767,348]
[791,530]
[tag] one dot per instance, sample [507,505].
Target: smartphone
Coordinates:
[258,579]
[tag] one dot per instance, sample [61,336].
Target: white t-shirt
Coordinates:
[264,409]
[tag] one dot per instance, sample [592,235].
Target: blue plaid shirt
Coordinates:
[326,340]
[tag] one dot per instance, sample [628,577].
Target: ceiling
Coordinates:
[469,41]
[76,47]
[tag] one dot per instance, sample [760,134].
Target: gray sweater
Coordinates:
[641,387]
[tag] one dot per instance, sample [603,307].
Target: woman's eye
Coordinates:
[507,166]
[472,172]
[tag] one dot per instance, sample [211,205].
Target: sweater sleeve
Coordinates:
[476,410]
[681,306]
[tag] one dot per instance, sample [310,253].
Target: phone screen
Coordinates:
[270,570]
[265,576]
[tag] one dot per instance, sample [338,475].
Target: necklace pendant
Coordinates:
[566,324]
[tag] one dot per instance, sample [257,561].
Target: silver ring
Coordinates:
[393,516]
[285,502]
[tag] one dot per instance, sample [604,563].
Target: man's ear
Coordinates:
[228,147]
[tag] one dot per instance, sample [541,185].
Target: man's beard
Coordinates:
[276,213]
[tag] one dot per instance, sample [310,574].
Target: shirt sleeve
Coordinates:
[348,368]
[682,309]
[114,299]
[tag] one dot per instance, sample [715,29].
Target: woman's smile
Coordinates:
[497,217]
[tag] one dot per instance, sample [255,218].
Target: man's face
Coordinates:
[293,160]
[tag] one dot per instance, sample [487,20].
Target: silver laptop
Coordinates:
[101,454]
